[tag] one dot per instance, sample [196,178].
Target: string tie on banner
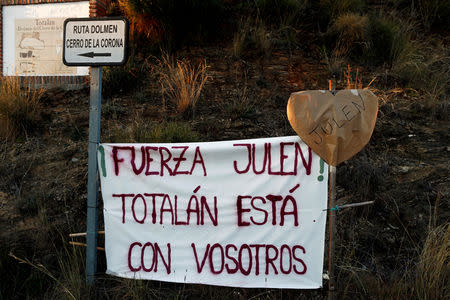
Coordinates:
[339,207]
[332,208]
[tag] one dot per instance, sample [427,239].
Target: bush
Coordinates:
[350,32]
[143,26]
[328,10]
[19,108]
[429,74]
[173,132]
[252,35]
[174,21]
[431,13]
[141,131]
[388,41]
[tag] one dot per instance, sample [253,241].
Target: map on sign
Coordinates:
[38,47]
[95,42]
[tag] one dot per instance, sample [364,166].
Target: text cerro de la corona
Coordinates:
[95,42]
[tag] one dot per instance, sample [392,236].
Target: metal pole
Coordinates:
[331,231]
[92,201]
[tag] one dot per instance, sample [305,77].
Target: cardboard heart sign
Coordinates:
[336,127]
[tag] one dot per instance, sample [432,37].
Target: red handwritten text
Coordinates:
[265,164]
[260,209]
[156,206]
[159,160]
[148,255]
[245,259]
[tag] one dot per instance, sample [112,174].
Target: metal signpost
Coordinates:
[94,42]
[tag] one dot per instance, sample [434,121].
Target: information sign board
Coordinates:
[95,41]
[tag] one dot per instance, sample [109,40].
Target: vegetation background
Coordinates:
[203,70]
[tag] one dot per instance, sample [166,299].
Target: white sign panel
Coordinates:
[95,42]
[33,38]
[246,213]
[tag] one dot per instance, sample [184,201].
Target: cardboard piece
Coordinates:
[336,127]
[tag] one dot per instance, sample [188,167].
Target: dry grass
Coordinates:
[426,279]
[432,272]
[240,37]
[41,268]
[253,35]
[427,70]
[429,11]
[350,82]
[19,108]
[261,38]
[181,82]
[351,29]
[424,276]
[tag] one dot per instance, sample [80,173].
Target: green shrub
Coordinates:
[173,132]
[389,41]
[141,131]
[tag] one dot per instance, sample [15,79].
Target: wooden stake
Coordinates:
[84,245]
[83,233]
[331,231]
[331,226]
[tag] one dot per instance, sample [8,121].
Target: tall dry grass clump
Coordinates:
[19,108]
[329,10]
[182,82]
[433,268]
[261,39]
[351,30]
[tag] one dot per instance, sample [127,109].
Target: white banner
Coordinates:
[247,213]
